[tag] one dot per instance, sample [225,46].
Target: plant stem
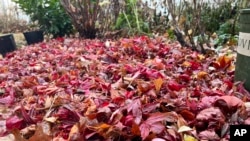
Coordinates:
[136,15]
[126,17]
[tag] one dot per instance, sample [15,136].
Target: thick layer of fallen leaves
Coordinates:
[131,89]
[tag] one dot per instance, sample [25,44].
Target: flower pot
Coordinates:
[33,37]
[7,44]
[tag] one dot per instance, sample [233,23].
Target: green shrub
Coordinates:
[50,15]
[228,27]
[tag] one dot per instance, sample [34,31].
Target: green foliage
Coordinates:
[49,14]
[171,34]
[131,19]
[228,28]
[213,17]
[226,38]
[206,17]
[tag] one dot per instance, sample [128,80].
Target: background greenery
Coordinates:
[49,14]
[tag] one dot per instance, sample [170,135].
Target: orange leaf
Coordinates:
[103,129]
[158,83]
[143,87]
[186,64]
[40,135]
[187,115]
[135,130]
[104,126]
[224,61]
[202,74]
[17,135]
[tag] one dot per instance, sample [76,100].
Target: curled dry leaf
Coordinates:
[184,129]
[232,101]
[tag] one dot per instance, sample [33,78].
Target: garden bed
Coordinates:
[129,89]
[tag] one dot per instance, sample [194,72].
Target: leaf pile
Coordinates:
[131,89]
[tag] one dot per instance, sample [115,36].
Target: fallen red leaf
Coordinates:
[174,86]
[14,123]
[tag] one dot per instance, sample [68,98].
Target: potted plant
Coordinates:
[7,44]
[33,36]
[49,15]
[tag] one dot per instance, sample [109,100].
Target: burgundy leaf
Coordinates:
[128,120]
[66,114]
[174,86]
[14,122]
[26,116]
[185,77]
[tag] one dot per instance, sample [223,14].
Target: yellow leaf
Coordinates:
[214,35]
[103,3]
[201,57]
[189,138]
[190,31]
[158,83]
